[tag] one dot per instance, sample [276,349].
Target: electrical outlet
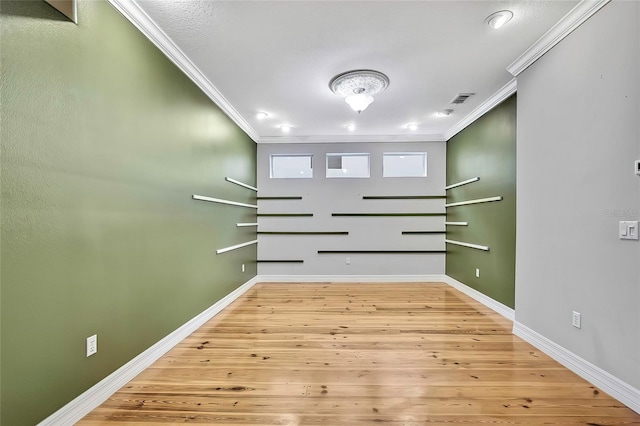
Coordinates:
[477,272]
[576,319]
[92,345]
[347,261]
[243,267]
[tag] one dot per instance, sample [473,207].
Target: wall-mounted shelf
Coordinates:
[244,185]
[242,225]
[403,197]
[380,251]
[237,246]
[473,246]
[464,182]
[278,198]
[422,232]
[221,201]
[303,233]
[280,261]
[387,214]
[477,201]
[285,215]
[456,223]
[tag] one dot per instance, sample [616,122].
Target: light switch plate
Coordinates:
[628,229]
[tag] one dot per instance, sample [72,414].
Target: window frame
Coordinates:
[423,154]
[347,154]
[271,166]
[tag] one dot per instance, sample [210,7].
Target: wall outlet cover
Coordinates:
[576,319]
[92,345]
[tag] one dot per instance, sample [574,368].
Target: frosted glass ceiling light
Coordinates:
[498,19]
[358,87]
[444,113]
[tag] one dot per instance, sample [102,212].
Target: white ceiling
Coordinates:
[279,56]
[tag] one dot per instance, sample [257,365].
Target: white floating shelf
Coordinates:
[221,201]
[478,201]
[473,246]
[464,182]
[244,185]
[237,246]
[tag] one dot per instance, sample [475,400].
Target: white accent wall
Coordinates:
[323,196]
[578,136]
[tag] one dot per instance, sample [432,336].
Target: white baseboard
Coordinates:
[350,278]
[610,384]
[490,303]
[101,391]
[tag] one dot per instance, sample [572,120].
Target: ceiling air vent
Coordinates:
[461,97]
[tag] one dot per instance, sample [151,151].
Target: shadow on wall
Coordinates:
[32,9]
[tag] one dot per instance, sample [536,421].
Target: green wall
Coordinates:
[103,142]
[486,148]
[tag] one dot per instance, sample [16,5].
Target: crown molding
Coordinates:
[351,138]
[565,26]
[494,100]
[132,12]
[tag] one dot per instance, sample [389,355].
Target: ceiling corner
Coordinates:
[565,26]
[139,18]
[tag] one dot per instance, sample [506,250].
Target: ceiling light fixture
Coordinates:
[498,19]
[285,128]
[351,127]
[412,127]
[358,87]
[262,115]
[444,113]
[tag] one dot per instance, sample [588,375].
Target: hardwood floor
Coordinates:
[358,354]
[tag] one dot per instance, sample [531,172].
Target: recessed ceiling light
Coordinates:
[498,19]
[444,113]
[412,127]
[351,127]
[285,128]
[262,115]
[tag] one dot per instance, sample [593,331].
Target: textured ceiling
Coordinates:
[279,56]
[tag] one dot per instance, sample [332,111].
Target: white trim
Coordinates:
[457,223]
[615,387]
[565,26]
[221,201]
[241,225]
[470,245]
[476,201]
[389,279]
[237,246]
[75,410]
[237,182]
[464,182]
[131,11]
[494,100]
[352,138]
[490,303]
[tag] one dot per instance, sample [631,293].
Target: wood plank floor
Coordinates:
[358,354]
